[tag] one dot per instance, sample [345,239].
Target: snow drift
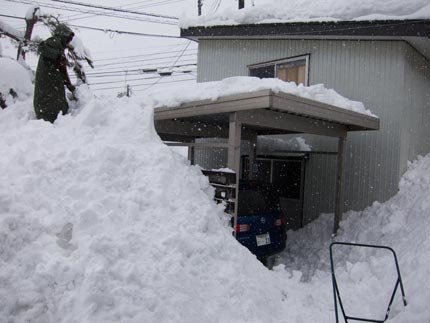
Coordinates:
[101,222]
[402,223]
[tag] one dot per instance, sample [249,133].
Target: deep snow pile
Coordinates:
[402,223]
[101,222]
[275,11]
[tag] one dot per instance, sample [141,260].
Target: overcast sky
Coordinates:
[119,58]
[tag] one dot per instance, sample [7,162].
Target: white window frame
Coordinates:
[277,62]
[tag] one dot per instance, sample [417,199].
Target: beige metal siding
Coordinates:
[367,71]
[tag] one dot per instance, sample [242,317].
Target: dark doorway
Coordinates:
[286,174]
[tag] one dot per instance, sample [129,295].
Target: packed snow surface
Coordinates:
[101,222]
[278,11]
[176,96]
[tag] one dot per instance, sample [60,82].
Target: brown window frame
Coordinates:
[278,62]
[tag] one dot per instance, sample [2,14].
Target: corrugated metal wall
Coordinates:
[416,108]
[320,172]
[211,158]
[367,71]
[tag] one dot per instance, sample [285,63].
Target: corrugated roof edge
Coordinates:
[363,28]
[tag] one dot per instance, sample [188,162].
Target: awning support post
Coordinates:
[233,159]
[252,156]
[191,153]
[339,202]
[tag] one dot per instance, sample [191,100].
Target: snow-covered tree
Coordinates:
[76,51]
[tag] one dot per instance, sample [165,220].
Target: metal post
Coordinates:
[233,161]
[199,7]
[234,138]
[339,203]
[191,153]
[252,156]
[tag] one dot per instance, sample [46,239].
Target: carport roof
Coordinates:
[264,112]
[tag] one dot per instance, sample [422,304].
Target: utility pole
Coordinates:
[241,4]
[199,7]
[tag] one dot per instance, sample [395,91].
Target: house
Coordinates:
[383,63]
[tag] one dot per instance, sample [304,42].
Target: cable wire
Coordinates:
[116,9]
[97,13]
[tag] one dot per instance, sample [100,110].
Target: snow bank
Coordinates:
[176,96]
[101,222]
[278,11]
[401,223]
[16,77]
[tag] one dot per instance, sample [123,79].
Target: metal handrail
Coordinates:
[336,294]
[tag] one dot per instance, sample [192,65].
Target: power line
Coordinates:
[116,9]
[160,3]
[97,13]
[136,67]
[144,84]
[92,15]
[135,79]
[107,30]
[143,60]
[137,71]
[145,55]
[14,17]
[139,48]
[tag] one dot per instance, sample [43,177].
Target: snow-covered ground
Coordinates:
[102,222]
[278,11]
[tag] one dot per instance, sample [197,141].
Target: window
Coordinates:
[294,69]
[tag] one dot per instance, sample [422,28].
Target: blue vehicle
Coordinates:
[260,222]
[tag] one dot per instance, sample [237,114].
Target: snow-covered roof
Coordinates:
[281,11]
[244,84]
[268,106]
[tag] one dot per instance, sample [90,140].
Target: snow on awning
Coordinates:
[279,108]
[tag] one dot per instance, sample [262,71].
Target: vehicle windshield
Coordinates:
[256,201]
